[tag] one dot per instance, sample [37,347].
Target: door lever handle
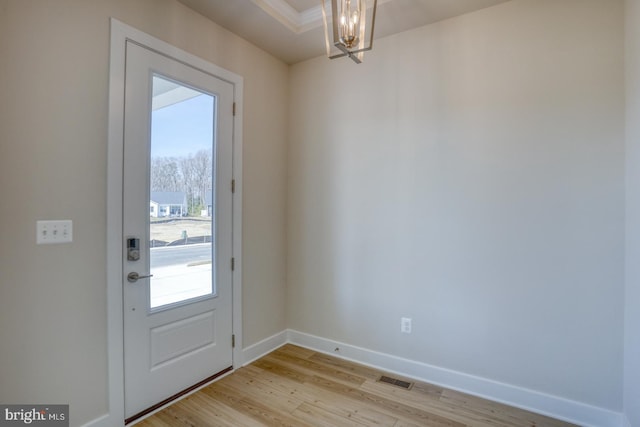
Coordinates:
[134,276]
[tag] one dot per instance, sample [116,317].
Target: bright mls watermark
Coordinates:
[36,415]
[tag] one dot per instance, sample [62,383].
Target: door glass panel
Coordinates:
[181,195]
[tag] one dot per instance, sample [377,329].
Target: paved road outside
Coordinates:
[178,255]
[180,273]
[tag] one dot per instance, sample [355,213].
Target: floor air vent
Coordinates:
[396,382]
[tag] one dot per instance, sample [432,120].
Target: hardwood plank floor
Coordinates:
[297,387]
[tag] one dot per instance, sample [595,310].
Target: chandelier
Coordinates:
[349,28]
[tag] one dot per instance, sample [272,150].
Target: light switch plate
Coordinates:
[48,232]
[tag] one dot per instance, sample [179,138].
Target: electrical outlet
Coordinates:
[48,232]
[405,325]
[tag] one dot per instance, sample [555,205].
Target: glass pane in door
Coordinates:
[181,194]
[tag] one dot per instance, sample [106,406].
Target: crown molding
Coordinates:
[281,11]
[298,22]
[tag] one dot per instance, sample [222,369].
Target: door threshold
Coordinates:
[176,396]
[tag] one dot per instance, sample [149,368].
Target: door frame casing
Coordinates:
[120,34]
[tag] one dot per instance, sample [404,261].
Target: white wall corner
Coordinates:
[261,348]
[544,404]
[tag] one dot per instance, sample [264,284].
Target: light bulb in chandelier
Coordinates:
[349,22]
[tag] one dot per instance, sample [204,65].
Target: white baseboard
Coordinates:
[553,406]
[103,421]
[556,407]
[261,348]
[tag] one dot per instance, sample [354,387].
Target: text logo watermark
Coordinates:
[34,415]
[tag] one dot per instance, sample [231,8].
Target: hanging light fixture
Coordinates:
[348,28]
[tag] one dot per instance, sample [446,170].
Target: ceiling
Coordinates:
[292,30]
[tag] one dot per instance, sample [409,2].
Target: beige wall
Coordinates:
[632,296]
[54,62]
[479,190]
[469,175]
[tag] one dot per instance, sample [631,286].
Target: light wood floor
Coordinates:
[297,387]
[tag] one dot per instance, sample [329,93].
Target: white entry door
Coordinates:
[177,223]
